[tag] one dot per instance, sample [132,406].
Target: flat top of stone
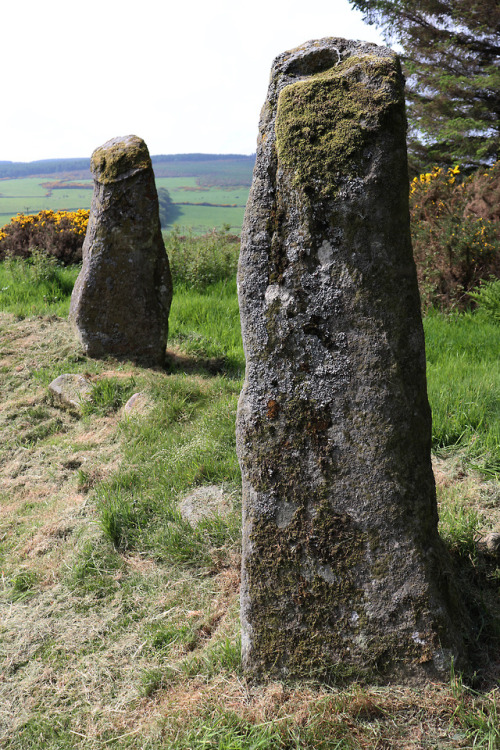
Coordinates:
[318,55]
[119,158]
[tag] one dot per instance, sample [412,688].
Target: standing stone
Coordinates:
[344,575]
[121,300]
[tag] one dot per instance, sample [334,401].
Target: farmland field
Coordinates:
[221,182]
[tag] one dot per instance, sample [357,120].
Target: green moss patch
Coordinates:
[116,158]
[324,124]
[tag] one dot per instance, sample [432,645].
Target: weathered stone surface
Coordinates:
[344,574]
[71,390]
[137,404]
[121,300]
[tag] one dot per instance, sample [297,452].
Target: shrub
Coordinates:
[59,233]
[487,298]
[197,262]
[455,233]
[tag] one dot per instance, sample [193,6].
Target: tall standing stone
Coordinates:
[121,299]
[344,574]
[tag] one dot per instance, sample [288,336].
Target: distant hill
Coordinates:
[213,169]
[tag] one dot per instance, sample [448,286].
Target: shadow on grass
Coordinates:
[195,365]
[477,577]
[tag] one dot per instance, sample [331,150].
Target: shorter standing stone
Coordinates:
[121,300]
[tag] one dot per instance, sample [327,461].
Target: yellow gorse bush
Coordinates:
[429,177]
[62,221]
[455,221]
[56,233]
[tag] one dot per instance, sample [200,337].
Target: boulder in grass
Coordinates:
[71,390]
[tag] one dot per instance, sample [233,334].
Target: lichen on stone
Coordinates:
[343,574]
[324,122]
[119,158]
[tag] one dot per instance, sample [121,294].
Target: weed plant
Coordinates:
[197,262]
[37,286]
[487,298]
[108,395]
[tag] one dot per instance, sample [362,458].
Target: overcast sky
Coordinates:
[187,76]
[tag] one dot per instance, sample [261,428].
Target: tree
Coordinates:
[450,58]
[169,212]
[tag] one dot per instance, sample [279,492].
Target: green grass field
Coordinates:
[224,183]
[185,189]
[119,622]
[27,196]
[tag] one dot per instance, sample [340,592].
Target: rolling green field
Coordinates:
[222,183]
[28,196]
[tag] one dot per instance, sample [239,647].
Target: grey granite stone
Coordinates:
[121,299]
[344,575]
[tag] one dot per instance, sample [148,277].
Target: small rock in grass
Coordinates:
[204,502]
[71,389]
[490,543]
[137,404]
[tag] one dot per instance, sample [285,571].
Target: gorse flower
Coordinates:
[428,177]
[455,223]
[58,233]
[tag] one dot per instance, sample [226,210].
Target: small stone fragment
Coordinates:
[490,543]
[137,404]
[344,575]
[121,300]
[204,502]
[71,390]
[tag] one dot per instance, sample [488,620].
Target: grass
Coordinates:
[119,619]
[464,387]
[38,287]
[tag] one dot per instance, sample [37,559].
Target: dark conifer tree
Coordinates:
[451,60]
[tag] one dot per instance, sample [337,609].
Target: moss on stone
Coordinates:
[119,158]
[325,123]
[290,599]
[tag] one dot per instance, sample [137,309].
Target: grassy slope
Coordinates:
[135,644]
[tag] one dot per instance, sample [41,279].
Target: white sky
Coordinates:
[187,76]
